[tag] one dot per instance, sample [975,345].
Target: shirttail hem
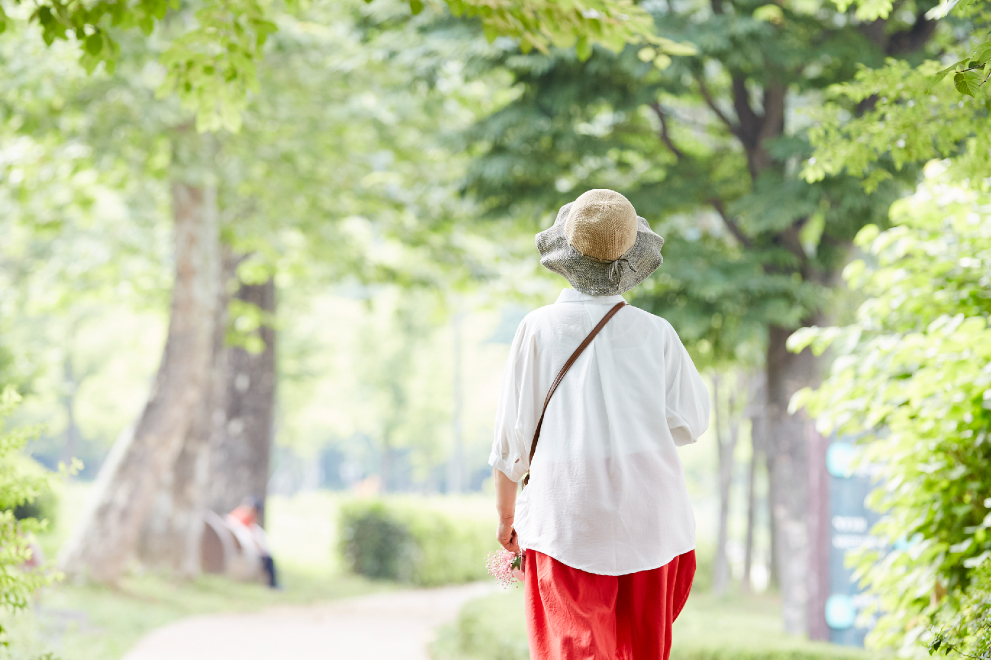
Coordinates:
[648,567]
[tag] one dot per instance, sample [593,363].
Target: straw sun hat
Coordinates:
[600,244]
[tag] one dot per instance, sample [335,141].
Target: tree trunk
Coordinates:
[788,473]
[129,479]
[755,411]
[456,463]
[70,447]
[748,548]
[727,448]
[720,575]
[240,455]
[818,574]
[174,530]
[773,565]
[386,460]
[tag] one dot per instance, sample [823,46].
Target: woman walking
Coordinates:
[608,392]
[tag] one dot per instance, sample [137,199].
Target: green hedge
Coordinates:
[417,540]
[735,628]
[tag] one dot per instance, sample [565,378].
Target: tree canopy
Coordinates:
[709,146]
[910,111]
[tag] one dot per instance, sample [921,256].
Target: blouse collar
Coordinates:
[571,295]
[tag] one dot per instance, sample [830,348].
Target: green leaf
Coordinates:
[983,52]
[938,78]
[769,13]
[583,48]
[967,82]
[94,43]
[870,10]
[672,47]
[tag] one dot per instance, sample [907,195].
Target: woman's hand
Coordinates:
[507,535]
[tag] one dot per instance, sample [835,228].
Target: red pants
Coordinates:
[574,615]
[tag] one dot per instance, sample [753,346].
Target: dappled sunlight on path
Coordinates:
[389,626]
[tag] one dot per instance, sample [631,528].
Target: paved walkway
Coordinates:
[389,626]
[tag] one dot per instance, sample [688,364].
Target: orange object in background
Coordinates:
[245,514]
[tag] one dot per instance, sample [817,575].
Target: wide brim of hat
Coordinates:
[591,276]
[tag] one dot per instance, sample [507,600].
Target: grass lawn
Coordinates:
[730,628]
[89,622]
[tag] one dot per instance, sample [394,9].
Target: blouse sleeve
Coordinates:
[510,449]
[687,395]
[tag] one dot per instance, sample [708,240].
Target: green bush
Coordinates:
[414,540]
[20,482]
[911,379]
[375,542]
[731,628]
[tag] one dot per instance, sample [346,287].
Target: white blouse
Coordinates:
[607,492]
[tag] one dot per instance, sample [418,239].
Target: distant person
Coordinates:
[247,515]
[605,525]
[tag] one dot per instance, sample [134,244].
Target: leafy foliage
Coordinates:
[912,378]
[211,60]
[908,112]
[706,148]
[966,629]
[19,484]
[582,24]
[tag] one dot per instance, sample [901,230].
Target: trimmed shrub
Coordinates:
[414,540]
[375,542]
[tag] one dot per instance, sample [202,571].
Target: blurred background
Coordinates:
[261,264]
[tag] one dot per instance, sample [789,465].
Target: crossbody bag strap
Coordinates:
[557,381]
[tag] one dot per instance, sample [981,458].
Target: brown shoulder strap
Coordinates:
[557,381]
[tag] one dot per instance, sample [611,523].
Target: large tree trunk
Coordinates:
[240,455]
[748,544]
[128,482]
[173,533]
[726,448]
[788,465]
[755,411]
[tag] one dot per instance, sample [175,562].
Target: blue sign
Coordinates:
[850,522]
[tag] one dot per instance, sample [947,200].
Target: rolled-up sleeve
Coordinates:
[687,395]
[510,449]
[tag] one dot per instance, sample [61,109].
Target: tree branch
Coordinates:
[750,122]
[902,42]
[774,111]
[730,223]
[665,136]
[790,240]
[912,39]
[711,102]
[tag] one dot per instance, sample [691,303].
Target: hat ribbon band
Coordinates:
[615,272]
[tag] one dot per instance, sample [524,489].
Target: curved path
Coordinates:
[389,626]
